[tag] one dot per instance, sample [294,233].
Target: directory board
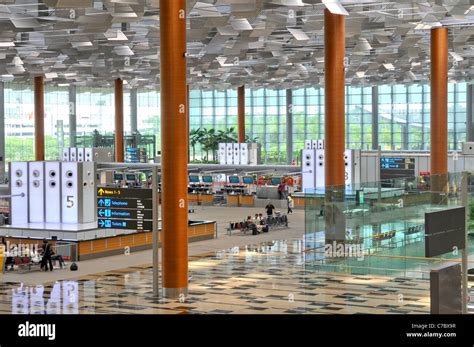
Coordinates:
[125,208]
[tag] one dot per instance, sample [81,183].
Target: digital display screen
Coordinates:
[391,168]
[234,179]
[248,180]
[276,181]
[131,177]
[207,179]
[118,177]
[194,179]
[397,163]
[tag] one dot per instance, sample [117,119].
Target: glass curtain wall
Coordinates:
[149,114]
[56,108]
[210,110]
[265,122]
[19,122]
[457,107]
[359,117]
[96,111]
[308,116]
[404,117]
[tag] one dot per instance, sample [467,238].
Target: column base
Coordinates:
[174,293]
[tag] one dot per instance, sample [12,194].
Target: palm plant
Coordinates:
[227,135]
[209,140]
[195,138]
[249,139]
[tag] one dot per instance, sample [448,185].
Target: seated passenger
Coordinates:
[58,258]
[254,229]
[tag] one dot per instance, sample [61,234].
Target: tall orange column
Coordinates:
[119,155]
[174,161]
[334,89]
[39,117]
[188,127]
[241,113]
[439,110]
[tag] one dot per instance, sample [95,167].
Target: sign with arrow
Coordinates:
[129,224]
[124,213]
[125,208]
[124,203]
[124,193]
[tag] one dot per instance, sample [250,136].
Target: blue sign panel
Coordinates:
[125,208]
[129,224]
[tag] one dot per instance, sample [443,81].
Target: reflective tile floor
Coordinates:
[266,279]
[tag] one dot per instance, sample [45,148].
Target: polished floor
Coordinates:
[268,278]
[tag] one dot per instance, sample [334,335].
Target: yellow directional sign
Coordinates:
[109,192]
[130,193]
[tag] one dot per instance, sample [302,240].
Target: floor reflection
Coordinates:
[61,298]
[256,279]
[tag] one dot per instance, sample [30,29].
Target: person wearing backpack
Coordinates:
[47,253]
[291,204]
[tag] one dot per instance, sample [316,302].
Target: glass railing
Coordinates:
[368,240]
[377,228]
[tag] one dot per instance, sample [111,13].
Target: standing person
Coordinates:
[285,190]
[8,259]
[47,252]
[291,204]
[321,211]
[257,219]
[280,191]
[269,209]
[4,244]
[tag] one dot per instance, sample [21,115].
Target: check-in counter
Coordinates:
[200,199]
[116,245]
[193,199]
[197,231]
[298,201]
[233,200]
[246,200]
[206,199]
[239,200]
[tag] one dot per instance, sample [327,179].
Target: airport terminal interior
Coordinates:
[236,157]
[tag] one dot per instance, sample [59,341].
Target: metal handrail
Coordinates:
[12,196]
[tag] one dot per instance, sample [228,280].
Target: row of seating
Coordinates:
[247,226]
[264,225]
[277,221]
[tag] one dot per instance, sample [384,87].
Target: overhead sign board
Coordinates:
[392,167]
[125,208]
